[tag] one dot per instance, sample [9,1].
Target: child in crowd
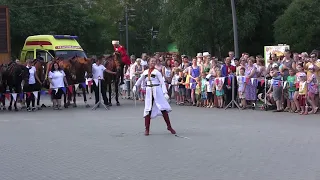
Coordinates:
[242,87]
[291,80]
[312,88]
[299,70]
[198,91]
[126,86]
[188,87]
[303,91]
[175,85]
[182,88]
[203,89]
[219,89]
[209,88]
[276,88]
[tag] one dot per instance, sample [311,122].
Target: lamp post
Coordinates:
[235,29]
[127,30]
[127,16]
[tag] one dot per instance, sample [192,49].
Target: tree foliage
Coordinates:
[194,25]
[204,25]
[93,21]
[299,26]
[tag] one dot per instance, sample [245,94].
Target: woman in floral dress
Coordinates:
[251,88]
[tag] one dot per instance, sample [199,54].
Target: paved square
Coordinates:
[80,144]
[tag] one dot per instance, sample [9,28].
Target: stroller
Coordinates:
[267,105]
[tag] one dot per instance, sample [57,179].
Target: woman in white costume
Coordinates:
[156,103]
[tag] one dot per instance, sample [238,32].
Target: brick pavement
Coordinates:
[80,144]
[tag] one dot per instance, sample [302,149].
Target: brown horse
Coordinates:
[83,69]
[113,63]
[13,75]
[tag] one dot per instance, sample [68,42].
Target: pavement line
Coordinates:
[184,137]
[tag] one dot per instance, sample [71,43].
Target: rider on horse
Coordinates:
[124,57]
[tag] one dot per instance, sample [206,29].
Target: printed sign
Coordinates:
[278,50]
[68,47]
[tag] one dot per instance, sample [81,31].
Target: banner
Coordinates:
[278,50]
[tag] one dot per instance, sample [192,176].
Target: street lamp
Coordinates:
[121,30]
[127,25]
[235,29]
[154,35]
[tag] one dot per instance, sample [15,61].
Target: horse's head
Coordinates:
[117,57]
[84,64]
[41,68]
[67,66]
[2,69]
[22,72]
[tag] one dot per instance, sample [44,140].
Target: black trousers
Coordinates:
[103,91]
[30,96]
[57,95]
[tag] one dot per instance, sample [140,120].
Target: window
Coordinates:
[45,55]
[29,55]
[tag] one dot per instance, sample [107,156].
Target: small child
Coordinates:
[242,87]
[198,91]
[187,85]
[126,86]
[303,91]
[219,89]
[209,88]
[312,88]
[182,88]
[291,90]
[276,88]
[174,84]
[203,89]
[299,70]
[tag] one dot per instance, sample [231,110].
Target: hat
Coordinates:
[206,54]
[302,75]
[199,55]
[115,42]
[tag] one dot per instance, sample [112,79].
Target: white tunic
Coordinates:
[32,72]
[156,92]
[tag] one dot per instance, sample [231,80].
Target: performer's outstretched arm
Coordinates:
[140,80]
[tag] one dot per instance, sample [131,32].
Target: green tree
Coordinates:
[203,25]
[299,26]
[93,21]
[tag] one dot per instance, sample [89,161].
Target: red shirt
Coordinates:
[124,56]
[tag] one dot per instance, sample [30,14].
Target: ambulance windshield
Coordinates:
[66,54]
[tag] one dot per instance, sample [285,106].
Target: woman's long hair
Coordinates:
[52,67]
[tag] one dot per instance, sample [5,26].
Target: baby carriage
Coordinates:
[267,105]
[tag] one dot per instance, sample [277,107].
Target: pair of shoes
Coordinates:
[29,109]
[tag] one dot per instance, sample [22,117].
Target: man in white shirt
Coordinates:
[144,61]
[97,74]
[231,55]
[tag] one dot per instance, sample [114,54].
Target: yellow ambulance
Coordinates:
[47,47]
